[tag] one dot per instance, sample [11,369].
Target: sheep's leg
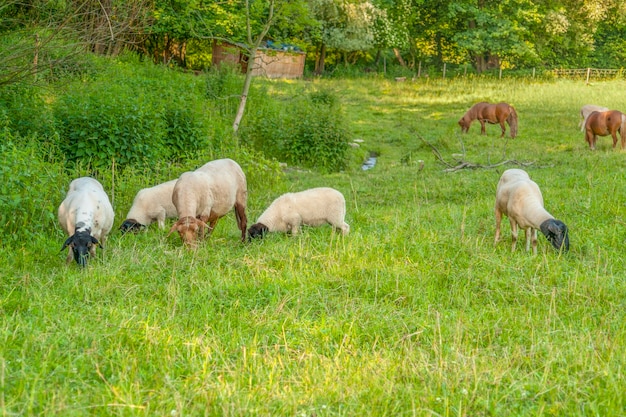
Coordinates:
[212,222]
[529,233]
[514,234]
[498,221]
[533,233]
[242,220]
[203,219]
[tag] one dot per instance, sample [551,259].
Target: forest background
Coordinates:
[336,34]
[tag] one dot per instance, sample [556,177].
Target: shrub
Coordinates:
[98,123]
[309,131]
[30,188]
[135,114]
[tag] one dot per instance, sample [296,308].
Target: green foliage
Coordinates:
[30,188]
[103,121]
[133,114]
[26,110]
[307,130]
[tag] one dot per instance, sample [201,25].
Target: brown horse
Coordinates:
[603,124]
[490,113]
[586,110]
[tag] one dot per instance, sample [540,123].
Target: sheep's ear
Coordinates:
[174,227]
[95,241]
[68,242]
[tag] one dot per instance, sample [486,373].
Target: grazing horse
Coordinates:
[586,110]
[490,113]
[603,124]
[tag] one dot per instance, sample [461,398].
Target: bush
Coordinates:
[30,188]
[135,114]
[26,110]
[309,131]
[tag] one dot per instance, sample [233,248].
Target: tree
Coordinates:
[345,26]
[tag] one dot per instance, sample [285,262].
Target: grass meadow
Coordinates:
[414,313]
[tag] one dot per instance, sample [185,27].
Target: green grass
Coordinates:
[415,312]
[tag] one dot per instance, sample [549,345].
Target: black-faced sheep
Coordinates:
[150,205]
[86,215]
[313,207]
[205,195]
[519,198]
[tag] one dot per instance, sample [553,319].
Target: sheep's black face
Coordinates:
[556,232]
[257,230]
[131,225]
[81,244]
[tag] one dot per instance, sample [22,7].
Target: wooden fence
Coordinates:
[589,73]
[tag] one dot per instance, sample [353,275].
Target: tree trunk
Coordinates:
[319,63]
[246,89]
[396,51]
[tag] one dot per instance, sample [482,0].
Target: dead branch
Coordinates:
[462,164]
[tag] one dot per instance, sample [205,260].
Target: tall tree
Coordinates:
[343,25]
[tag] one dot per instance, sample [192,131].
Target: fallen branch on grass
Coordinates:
[462,164]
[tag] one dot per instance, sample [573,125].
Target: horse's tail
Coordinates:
[512,121]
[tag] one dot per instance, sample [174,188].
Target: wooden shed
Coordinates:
[268,62]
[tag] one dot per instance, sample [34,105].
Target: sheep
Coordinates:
[313,207]
[150,205]
[519,198]
[586,110]
[86,215]
[205,195]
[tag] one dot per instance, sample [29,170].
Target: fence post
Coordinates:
[588,74]
[533,72]
[500,74]
[444,70]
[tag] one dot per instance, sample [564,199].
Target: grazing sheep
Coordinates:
[313,207]
[86,215]
[205,195]
[150,205]
[586,110]
[153,204]
[519,198]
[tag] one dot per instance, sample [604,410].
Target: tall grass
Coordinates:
[416,312]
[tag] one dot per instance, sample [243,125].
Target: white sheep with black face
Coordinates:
[519,198]
[313,207]
[205,195]
[86,215]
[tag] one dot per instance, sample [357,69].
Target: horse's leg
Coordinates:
[502,127]
[614,136]
[591,139]
[482,126]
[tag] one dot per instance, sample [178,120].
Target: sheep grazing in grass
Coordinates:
[205,195]
[586,110]
[150,205]
[313,207]
[519,198]
[86,215]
